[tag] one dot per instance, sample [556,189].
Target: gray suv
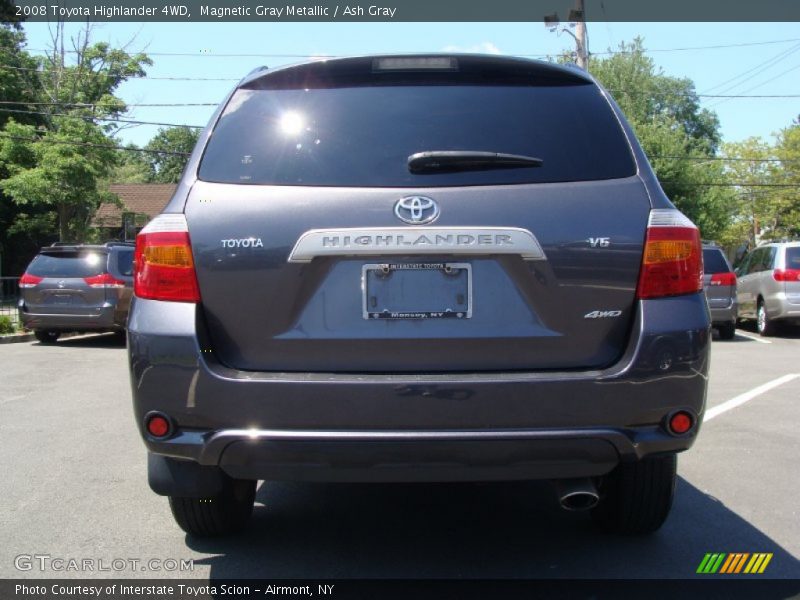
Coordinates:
[769,286]
[719,282]
[418,268]
[77,288]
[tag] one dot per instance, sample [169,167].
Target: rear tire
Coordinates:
[766,326]
[635,498]
[225,513]
[46,336]
[727,331]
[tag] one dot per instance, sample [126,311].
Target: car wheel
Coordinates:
[227,512]
[46,336]
[766,326]
[636,497]
[727,331]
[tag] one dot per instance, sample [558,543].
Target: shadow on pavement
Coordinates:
[95,340]
[785,330]
[498,530]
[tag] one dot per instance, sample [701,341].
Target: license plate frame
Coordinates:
[381,286]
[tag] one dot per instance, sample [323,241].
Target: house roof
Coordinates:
[143,198]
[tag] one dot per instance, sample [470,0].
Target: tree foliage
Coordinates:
[52,163]
[174,145]
[675,132]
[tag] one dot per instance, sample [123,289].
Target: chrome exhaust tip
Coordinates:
[576,494]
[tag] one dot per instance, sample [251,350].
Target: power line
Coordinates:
[725,159]
[92,105]
[90,145]
[770,62]
[539,55]
[91,118]
[732,184]
[109,76]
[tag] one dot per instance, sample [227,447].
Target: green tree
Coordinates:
[58,169]
[56,166]
[752,207]
[786,221]
[675,132]
[131,167]
[169,152]
[19,84]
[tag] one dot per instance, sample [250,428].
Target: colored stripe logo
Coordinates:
[734,563]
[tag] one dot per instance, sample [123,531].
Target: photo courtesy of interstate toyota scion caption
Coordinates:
[418,268]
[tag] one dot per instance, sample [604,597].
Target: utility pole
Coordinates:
[577,21]
[581,36]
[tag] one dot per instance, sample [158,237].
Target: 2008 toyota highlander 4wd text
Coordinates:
[418,268]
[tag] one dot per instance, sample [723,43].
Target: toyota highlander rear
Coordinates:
[418,268]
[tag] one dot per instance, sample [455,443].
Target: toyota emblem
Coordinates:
[416,210]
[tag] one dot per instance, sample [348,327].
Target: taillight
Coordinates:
[777,274]
[29,281]
[672,263]
[723,279]
[163,263]
[104,280]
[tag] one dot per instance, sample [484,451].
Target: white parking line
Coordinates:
[755,338]
[747,396]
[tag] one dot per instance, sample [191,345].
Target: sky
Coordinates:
[759,59]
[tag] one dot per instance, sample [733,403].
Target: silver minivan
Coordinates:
[769,286]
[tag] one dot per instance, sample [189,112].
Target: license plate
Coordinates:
[417,291]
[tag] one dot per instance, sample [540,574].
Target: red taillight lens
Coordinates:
[723,279]
[672,263]
[158,426]
[104,280]
[163,264]
[681,422]
[779,275]
[29,281]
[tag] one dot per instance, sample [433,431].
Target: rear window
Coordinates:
[68,264]
[125,262]
[793,258]
[363,135]
[714,262]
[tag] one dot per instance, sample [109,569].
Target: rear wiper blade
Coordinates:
[438,161]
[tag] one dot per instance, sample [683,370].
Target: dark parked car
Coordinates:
[77,288]
[719,282]
[418,268]
[769,286]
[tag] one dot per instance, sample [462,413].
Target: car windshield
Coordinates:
[364,135]
[713,261]
[68,264]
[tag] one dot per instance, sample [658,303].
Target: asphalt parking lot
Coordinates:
[74,486]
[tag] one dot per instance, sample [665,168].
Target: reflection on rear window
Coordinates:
[713,262]
[68,264]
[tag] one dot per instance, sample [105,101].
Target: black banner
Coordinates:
[369,589]
[406,10]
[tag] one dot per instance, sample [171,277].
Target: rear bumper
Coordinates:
[427,427]
[722,315]
[420,456]
[105,318]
